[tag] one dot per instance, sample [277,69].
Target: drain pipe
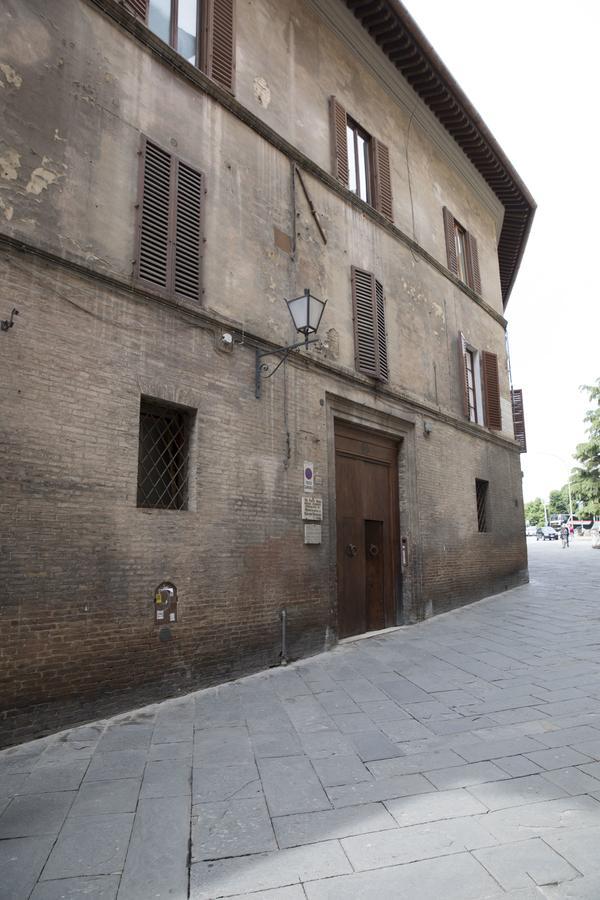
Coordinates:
[283,655]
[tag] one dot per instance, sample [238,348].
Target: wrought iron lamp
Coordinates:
[306,312]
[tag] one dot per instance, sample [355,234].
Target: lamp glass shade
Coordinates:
[299,312]
[306,312]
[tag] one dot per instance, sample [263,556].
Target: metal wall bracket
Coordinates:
[5,324]
[262,368]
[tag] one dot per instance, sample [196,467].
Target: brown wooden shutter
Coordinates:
[382,179]
[462,373]
[473,263]
[220,42]
[369,324]
[153,264]
[491,390]
[137,8]
[188,206]
[450,240]
[519,418]
[339,141]
[382,361]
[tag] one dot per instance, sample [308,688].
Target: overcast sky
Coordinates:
[530,69]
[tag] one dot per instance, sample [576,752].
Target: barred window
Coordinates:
[481,492]
[163,459]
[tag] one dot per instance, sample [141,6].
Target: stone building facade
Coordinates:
[160,196]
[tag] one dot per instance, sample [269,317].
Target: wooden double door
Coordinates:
[367,524]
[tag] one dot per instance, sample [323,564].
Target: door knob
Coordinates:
[351,549]
[373,550]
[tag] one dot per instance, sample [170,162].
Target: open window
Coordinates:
[202,31]
[461,252]
[361,162]
[478,376]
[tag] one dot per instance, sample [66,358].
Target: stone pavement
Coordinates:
[459,758]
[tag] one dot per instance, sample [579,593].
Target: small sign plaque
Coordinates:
[312,509]
[309,477]
[312,534]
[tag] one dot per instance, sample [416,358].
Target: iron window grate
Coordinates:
[481,490]
[163,456]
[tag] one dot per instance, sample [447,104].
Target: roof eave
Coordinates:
[403,42]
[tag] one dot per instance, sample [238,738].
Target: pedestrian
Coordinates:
[564,534]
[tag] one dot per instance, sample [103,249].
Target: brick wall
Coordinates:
[80,562]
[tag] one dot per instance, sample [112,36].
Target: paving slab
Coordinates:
[383,710]
[516,865]
[291,786]
[379,789]
[115,765]
[53,778]
[232,828]
[570,814]
[293,892]
[213,783]
[227,746]
[261,872]
[102,887]
[21,861]
[457,877]
[372,745]
[36,814]
[99,797]
[156,864]
[167,778]
[517,766]
[276,745]
[353,723]
[573,781]
[424,808]
[413,763]
[310,828]
[558,758]
[130,736]
[410,844]
[465,775]
[339,770]
[90,845]
[516,791]
[586,888]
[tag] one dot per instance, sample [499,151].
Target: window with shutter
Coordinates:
[519,418]
[138,8]
[220,40]
[461,252]
[339,141]
[462,372]
[169,224]
[203,31]
[369,325]
[360,162]
[491,390]
[383,180]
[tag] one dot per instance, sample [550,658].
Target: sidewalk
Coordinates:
[456,759]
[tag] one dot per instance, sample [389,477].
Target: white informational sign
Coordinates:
[312,509]
[309,478]
[312,534]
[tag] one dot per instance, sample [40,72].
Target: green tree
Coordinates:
[586,476]
[534,512]
[558,501]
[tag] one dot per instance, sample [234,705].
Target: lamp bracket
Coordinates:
[262,368]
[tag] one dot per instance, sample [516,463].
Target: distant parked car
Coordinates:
[546,534]
[530,531]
